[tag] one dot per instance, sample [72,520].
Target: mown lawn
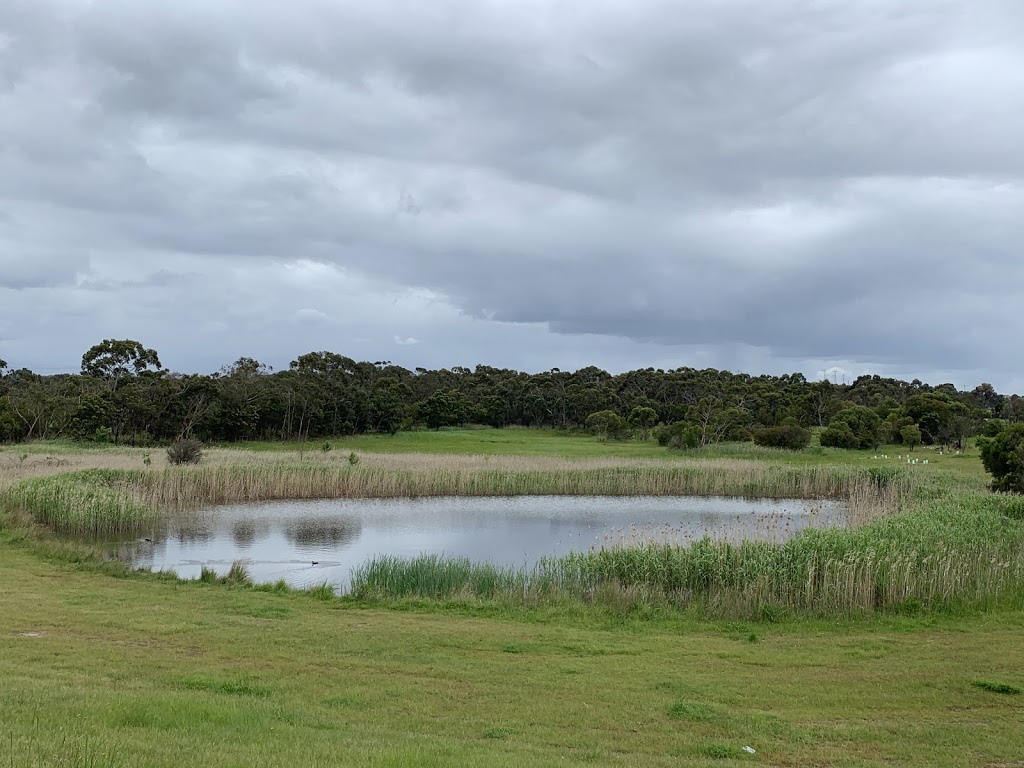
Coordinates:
[96,670]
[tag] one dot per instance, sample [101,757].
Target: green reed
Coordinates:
[965,551]
[92,502]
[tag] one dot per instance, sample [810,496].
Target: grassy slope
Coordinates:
[149,672]
[142,672]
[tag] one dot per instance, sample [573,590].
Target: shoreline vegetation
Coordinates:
[916,541]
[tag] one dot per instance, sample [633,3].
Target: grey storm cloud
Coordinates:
[818,181]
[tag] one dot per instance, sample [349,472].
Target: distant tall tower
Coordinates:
[835,374]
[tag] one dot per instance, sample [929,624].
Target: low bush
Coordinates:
[839,436]
[608,425]
[792,438]
[855,426]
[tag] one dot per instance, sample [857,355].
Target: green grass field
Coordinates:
[486,442]
[142,672]
[575,445]
[98,669]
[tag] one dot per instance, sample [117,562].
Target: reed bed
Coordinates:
[190,488]
[92,503]
[966,552]
[109,501]
[432,462]
[24,462]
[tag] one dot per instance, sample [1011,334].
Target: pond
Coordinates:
[307,543]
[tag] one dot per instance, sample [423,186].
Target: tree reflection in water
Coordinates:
[320,531]
[244,533]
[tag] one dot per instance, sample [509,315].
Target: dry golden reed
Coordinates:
[190,488]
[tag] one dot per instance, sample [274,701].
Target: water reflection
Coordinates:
[310,542]
[322,531]
[243,534]
[193,534]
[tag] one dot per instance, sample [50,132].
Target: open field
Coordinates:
[550,443]
[98,667]
[514,449]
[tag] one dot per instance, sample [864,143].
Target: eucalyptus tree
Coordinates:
[244,392]
[43,406]
[115,359]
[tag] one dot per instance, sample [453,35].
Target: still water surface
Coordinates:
[307,543]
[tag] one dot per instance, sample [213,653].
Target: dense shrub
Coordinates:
[185,452]
[853,427]
[838,435]
[608,425]
[642,419]
[680,435]
[792,437]
[9,426]
[1003,457]
[994,426]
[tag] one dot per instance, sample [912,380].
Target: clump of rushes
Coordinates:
[238,575]
[185,452]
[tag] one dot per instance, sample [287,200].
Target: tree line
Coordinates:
[122,394]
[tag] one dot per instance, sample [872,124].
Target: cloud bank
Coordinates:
[774,187]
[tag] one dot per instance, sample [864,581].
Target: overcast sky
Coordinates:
[760,186]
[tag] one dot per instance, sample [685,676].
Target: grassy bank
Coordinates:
[108,672]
